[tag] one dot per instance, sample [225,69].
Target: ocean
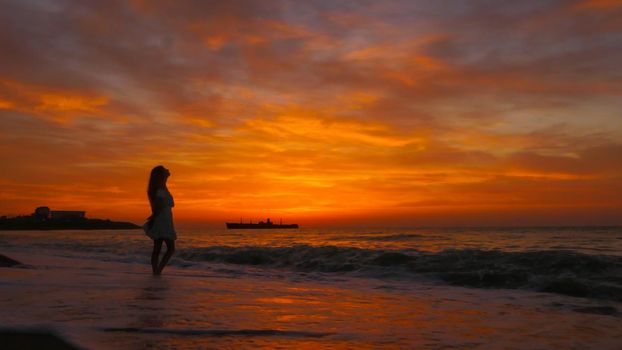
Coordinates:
[381,288]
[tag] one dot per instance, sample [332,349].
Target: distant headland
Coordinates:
[45,219]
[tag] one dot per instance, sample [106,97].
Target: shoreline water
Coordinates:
[97,292]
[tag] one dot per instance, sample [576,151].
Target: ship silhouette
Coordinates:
[260,225]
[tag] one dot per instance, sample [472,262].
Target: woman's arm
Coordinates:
[159,202]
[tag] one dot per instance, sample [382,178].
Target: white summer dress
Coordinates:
[163,223]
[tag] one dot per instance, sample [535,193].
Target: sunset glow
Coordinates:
[315,112]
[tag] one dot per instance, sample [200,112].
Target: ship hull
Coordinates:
[231,225]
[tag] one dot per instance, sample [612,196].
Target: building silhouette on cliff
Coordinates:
[44,213]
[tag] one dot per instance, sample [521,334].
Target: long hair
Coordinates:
[157,180]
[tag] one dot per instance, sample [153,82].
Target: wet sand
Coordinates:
[110,305]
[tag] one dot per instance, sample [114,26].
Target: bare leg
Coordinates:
[170,249]
[157,246]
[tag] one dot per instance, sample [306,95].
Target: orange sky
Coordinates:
[319,112]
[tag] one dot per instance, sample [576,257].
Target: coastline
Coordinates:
[96,291]
[27,224]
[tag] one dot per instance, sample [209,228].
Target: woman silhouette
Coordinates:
[159,226]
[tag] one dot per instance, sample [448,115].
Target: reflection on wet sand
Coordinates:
[150,303]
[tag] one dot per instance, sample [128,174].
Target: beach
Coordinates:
[335,289]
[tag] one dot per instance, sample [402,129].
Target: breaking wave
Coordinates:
[555,271]
[388,238]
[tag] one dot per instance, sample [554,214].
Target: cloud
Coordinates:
[318,109]
[49,102]
[597,5]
